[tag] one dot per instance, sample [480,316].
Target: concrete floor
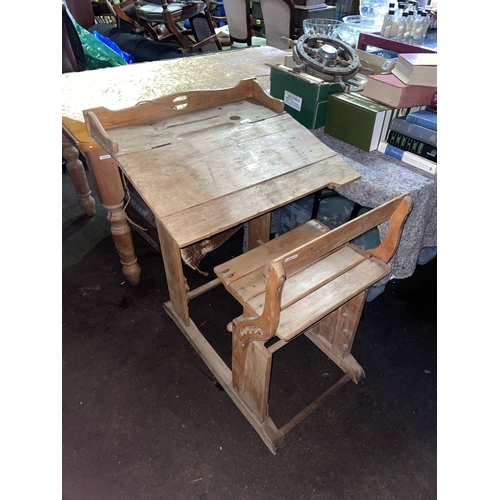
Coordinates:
[141,421]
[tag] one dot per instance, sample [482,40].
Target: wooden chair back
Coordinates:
[238,20]
[200,38]
[291,282]
[279,22]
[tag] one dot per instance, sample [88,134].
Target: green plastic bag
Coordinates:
[97,53]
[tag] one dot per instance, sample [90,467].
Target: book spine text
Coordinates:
[407,157]
[412,145]
[418,132]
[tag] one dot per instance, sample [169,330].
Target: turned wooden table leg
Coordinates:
[109,187]
[76,171]
[122,237]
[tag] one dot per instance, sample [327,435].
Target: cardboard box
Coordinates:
[379,65]
[305,96]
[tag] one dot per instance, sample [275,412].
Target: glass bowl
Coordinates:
[350,30]
[324,27]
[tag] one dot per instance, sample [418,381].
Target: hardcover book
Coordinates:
[360,121]
[413,130]
[424,118]
[379,65]
[412,145]
[391,91]
[417,69]
[407,157]
[357,120]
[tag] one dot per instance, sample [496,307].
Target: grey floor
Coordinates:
[141,421]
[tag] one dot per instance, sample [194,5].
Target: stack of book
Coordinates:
[368,118]
[411,83]
[413,139]
[359,121]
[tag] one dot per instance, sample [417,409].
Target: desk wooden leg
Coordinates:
[177,287]
[76,171]
[334,335]
[259,230]
[265,427]
[109,188]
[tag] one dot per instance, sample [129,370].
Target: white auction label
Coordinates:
[292,100]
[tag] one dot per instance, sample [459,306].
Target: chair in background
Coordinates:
[125,16]
[279,18]
[238,20]
[201,37]
[102,13]
[279,22]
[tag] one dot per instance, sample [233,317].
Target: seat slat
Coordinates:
[310,309]
[303,313]
[251,288]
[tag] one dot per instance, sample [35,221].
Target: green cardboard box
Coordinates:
[357,120]
[305,97]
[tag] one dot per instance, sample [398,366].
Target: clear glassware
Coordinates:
[372,14]
[325,27]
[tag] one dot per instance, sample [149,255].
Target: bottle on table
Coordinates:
[387,28]
[388,17]
[402,33]
[417,31]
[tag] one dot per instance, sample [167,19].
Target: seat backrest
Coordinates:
[238,20]
[289,283]
[279,21]
[203,29]
[125,15]
[395,210]
[312,245]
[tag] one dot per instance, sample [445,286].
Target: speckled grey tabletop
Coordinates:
[383,178]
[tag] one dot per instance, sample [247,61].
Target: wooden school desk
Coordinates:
[208,161]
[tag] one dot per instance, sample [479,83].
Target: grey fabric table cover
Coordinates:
[383,178]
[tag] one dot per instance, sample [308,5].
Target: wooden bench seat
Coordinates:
[310,292]
[311,280]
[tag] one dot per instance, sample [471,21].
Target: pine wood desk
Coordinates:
[124,86]
[208,161]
